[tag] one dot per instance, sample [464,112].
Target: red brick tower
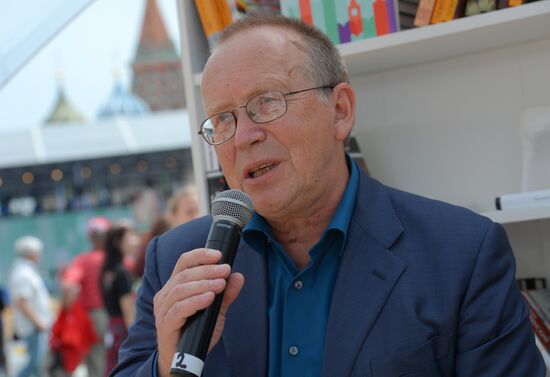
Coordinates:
[157,75]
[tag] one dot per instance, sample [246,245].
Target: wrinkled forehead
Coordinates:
[275,47]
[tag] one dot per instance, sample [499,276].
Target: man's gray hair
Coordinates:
[28,246]
[325,66]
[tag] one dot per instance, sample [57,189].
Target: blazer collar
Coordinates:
[368,273]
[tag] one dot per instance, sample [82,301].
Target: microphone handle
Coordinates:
[197,332]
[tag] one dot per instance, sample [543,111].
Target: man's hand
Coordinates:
[194,282]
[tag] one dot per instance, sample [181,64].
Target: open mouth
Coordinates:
[259,171]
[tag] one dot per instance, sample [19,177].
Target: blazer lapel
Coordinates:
[368,272]
[245,335]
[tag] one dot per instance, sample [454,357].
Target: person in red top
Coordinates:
[81,281]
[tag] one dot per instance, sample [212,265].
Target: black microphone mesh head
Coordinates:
[233,205]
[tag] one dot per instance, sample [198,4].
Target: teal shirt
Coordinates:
[299,301]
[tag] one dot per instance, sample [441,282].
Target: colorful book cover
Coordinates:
[515,3]
[258,6]
[447,10]
[392,15]
[424,12]
[216,15]
[381,17]
[305,11]
[210,20]
[224,12]
[342,21]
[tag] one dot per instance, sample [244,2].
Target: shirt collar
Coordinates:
[342,217]
[258,231]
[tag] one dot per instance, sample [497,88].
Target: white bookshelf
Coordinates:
[439,111]
[463,36]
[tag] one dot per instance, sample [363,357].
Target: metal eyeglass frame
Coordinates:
[250,114]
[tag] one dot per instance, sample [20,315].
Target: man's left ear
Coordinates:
[343,98]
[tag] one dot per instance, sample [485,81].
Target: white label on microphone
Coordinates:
[188,363]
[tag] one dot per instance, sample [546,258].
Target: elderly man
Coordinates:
[31,303]
[336,275]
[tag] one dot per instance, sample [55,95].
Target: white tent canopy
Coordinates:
[110,137]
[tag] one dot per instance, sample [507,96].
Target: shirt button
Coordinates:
[298,284]
[293,350]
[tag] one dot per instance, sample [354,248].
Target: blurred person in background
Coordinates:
[31,304]
[146,205]
[3,305]
[81,281]
[131,246]
[182,206]
[160,226]
[116,288]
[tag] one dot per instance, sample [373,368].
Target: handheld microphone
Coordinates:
[231,210]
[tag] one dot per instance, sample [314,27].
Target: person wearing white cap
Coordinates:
[31,303]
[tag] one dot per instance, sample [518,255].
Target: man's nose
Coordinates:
[247,132]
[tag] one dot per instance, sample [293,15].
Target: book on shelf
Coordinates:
[479,6]
[407,13]
[346,21]
[502,4]
[216,184]
[385,16]
[380,10]
[528,284]
[216,15]
[447,10]
[537,298]
[211,163]
[540,300]
[424,12]
[540,326]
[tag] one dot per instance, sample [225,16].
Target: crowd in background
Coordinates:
[88,323]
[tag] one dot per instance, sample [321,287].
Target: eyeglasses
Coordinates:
[262,108]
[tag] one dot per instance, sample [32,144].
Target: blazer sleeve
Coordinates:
[138,352]
[494,333]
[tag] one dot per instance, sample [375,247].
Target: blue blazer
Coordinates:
[425,289]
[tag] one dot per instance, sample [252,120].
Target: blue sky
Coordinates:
[103,36]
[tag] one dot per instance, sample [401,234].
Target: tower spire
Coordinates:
[157,75]
[153,35]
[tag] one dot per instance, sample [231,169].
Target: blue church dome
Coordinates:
[122,102]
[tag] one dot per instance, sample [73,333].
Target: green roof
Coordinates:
[64,111]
